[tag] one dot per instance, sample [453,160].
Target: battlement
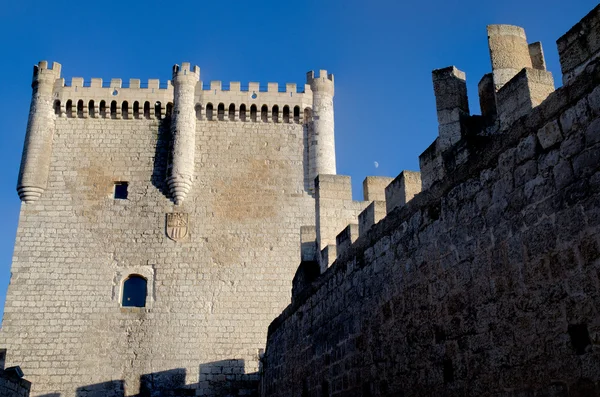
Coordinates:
[41,71]
[324,82]
[117,99]
[185,69]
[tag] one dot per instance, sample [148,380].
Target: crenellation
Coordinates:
[402,189]
[536,52]
[346,238]
[580,46]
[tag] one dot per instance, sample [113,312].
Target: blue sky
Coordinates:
[381,52]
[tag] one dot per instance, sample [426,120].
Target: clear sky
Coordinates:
[381,52]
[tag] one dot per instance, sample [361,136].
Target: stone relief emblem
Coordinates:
[177,226]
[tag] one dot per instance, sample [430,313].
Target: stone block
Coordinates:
[370,216]
[402,189]
[374,188]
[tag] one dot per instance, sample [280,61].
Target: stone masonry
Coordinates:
[486,282]
[218,186]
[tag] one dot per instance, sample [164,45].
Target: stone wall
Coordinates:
[487,283]
[11,385]
[211,295]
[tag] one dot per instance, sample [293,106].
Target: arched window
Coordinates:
[158,110]
[275,114]
[198,109]
[135,289]
[296,114]
[113,110]
[232,112]
[57,107]
[169,109]
[264,113]
[125,109]
[286,114]
[209,111]
[307,115]
[147,110]
[221,111]
[69,108]
[80,108]
[136,110]
[102,109]
[243,112]
[92,108]
[253,112]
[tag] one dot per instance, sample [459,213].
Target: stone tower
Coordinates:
[195,193]
[322,142]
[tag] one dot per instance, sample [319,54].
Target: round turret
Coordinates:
[509,52]
[35,163]
[183,130]
[321,135]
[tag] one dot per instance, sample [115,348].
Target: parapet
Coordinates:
[41,71]
[406,186]
[185,70]
[580,45]
[322,83]
[452,104]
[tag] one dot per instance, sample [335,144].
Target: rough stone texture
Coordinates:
[509,52]
[486,284]
[374,188]
[10,384]
[211,295]
[402,189]
[536,52]
[345,238]
[522,93]
[580,45]
[371,215]
[13,386]
[452,104]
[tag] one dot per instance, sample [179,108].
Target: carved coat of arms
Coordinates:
[177,225]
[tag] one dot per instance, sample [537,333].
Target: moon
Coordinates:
[376,164]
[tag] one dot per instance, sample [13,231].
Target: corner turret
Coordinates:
[183,130]
[321,140]
[37,150]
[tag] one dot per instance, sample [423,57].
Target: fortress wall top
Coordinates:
[509,52]
[514,223]
[580,45]
[154,92]
[374,187]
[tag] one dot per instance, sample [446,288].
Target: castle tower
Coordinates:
[509,52]
[183,130]
[322,142]
[37,151]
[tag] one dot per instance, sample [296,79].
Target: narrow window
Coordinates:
[92,108]
[102,109]
[275,114]
[232,112]
[135,289]
[113,110]
[198,109]
[264,113]
[296,114]
[121,190]
[158,110]
[147,110]
[253,112]
[243,112]
[136,110]
[80,108]
[448,371]
[221,112]
[125,109]
[286,114]
[169,109]
[209,111]
[69,108]
[580,337]
[57,108]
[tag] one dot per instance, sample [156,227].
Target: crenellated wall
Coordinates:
[486,283]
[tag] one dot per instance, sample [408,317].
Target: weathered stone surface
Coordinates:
[487,283]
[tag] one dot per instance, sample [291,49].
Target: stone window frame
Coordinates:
[122,274]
